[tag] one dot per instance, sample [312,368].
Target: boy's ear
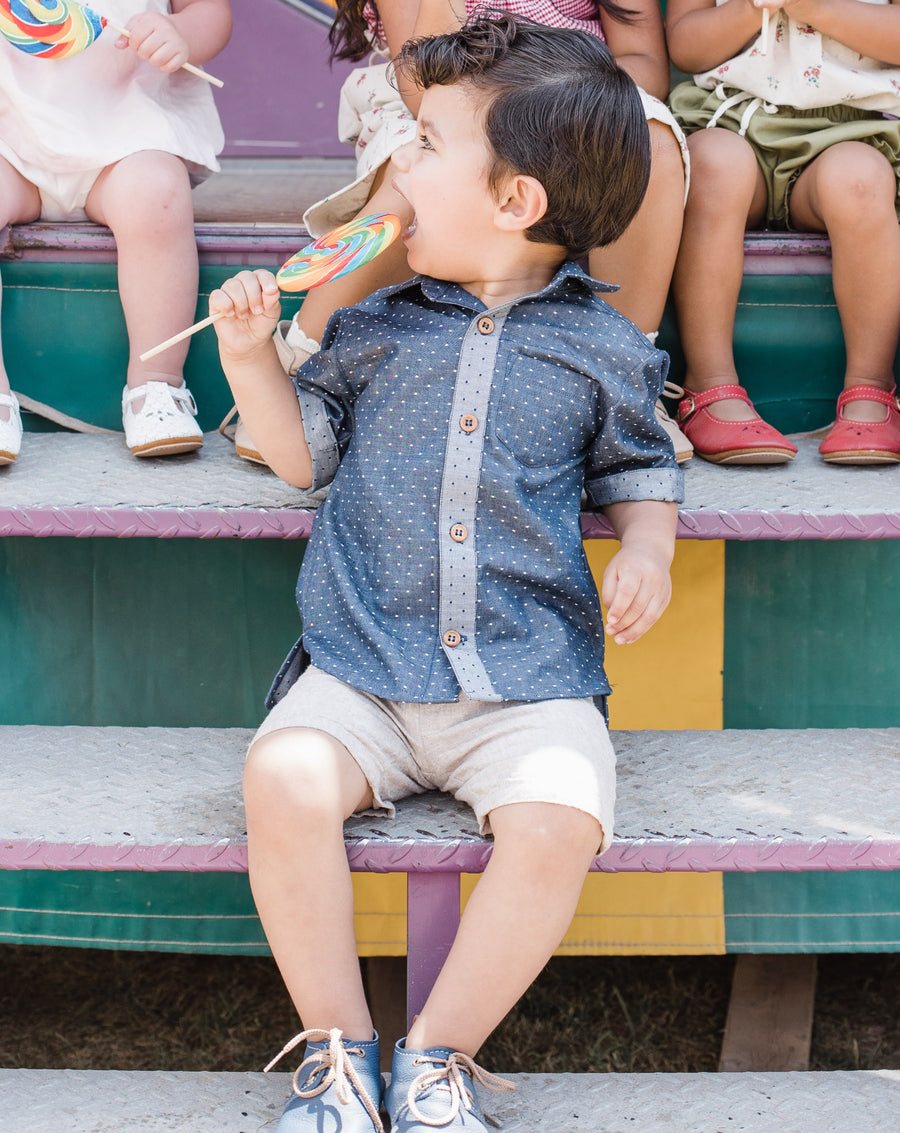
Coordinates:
[523,201]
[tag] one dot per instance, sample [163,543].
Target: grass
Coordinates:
[82,1008]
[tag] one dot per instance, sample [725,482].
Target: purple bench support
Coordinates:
[432,919]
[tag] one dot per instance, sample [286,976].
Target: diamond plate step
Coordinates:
[91,1101]
[170,798]
[69,484]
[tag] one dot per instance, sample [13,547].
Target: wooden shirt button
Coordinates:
[459,533]
[486,324]
[451,638]
[468,422]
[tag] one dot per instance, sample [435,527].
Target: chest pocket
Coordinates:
[544,412]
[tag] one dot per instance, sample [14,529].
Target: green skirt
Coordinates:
[788,140]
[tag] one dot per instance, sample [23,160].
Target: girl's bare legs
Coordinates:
[299,786]
[642,260]
[727,194]
[390,267]
[512,924]
[849,192]
[20,203]
[146,200]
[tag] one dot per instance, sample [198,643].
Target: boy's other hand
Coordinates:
[636,590]
[248,306]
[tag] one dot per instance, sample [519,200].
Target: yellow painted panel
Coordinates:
[672,677]
[619,914]
[379,913]
[643,914]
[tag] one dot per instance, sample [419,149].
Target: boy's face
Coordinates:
[443,176]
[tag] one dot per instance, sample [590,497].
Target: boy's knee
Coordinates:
[283,768]
[546,832]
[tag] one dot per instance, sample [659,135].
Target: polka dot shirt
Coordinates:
[448,554]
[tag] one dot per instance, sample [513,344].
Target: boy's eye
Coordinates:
[424,142]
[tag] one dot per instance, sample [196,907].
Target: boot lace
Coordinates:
[448,1074]
[339,1071]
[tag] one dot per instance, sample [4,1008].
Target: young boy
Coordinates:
[454,630]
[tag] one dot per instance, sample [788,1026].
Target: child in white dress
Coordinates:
[119,134]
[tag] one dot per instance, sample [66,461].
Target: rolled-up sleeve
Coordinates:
[632,457]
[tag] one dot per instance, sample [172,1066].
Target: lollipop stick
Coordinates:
[181,336]
[184,66]
[764,32]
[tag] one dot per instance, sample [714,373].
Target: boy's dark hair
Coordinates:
[349,33]
[557,108]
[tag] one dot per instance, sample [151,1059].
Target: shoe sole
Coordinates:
[865,456]
[7,458]
[683,457]
[169,447]
[250,455]
[749,456]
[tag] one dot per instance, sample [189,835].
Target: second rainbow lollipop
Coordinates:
[335,254]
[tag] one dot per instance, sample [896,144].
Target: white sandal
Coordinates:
[10,429]
[684,450]
[164,424]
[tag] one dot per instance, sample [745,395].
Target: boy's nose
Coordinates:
[402,156]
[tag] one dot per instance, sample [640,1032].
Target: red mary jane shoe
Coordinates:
[730,442]
[864,442]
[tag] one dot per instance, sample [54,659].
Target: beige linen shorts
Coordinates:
[487,754]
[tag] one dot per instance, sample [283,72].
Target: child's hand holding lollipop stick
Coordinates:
[337,253]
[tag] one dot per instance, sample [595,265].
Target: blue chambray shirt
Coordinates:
[448,554]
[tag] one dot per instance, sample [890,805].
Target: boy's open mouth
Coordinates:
[410,230]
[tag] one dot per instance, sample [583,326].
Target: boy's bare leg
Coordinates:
[849,192]
[514,920]
[727,193]
[299,786]
[390,267]
[643,258]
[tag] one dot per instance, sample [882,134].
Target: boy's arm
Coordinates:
[249,306]
[636,585]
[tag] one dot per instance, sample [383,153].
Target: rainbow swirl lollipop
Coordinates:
[50,29]
[338,252]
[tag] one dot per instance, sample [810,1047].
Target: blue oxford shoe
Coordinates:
[435,1089]
[337,1087]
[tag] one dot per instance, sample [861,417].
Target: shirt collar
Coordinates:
[568,278]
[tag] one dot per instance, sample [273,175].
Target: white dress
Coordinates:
[62,121]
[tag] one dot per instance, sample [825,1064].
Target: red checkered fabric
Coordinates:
[583,15]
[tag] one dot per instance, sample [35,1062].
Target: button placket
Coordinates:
[459,497]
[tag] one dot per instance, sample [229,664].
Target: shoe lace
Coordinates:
[339,1070]
[448,1074]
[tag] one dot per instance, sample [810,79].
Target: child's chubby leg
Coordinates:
[299,786]
[146,200]
[727,195]
[20,202]
[849,191]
